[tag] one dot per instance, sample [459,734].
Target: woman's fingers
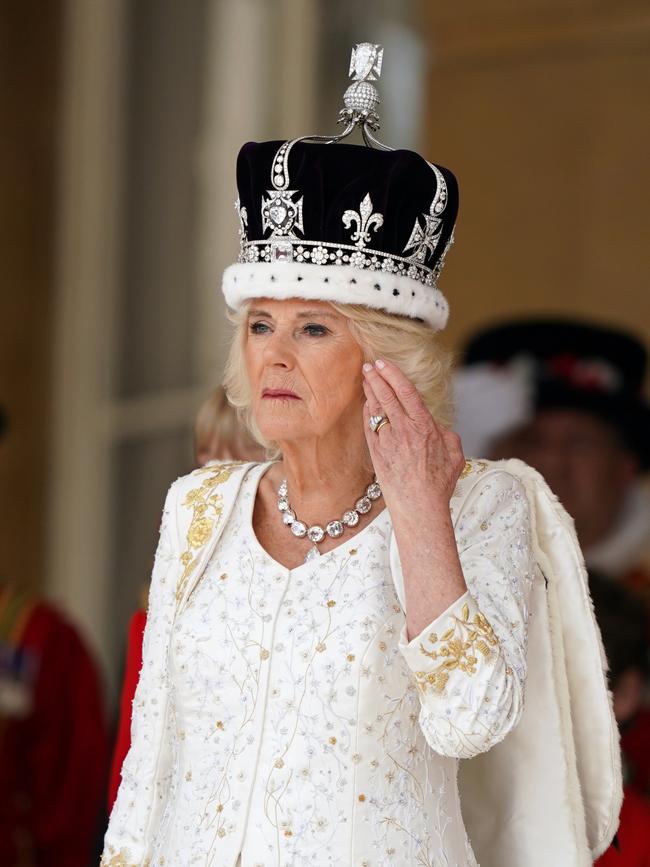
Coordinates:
[370,409]
[371,438]
[401,386]
[411,436]
[374,407]
[455,448]
[384,395]
[378,442]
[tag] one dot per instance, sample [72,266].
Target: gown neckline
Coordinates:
[261,470]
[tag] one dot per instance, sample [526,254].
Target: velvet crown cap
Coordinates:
[343,223]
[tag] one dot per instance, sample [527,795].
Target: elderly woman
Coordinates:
[330,631]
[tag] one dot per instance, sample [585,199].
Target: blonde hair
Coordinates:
[218,432]
[409,343]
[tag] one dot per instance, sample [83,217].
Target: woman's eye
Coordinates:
[258,327]
[315,330]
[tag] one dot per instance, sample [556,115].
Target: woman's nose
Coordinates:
[277,351]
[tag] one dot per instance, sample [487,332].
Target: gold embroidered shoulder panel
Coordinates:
[207,509]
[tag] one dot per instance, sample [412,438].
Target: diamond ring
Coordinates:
[376,422]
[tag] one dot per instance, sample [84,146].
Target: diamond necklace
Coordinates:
[335,528]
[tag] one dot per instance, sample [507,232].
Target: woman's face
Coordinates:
[304,368]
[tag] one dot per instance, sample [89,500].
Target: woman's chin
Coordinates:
[282,425]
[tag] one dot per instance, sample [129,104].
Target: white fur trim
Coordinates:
[344,284]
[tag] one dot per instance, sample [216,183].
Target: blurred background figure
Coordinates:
[218,435]
[566,397]
[623,628]
[53,735]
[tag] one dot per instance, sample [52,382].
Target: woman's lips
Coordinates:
[280,393]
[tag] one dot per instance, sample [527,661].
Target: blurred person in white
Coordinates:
[53,733]
[330,632]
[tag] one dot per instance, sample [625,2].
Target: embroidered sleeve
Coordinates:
[470,663]
[147,767]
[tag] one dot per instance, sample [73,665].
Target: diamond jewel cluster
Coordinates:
[316,533]
[361,98]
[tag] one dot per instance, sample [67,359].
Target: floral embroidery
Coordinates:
[119,859]
[473,467]
[207,508]
[458,647]
[307,670]
[201,528]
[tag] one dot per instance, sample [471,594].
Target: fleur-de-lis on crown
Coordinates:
[365,220]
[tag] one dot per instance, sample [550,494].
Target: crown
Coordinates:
[352,223]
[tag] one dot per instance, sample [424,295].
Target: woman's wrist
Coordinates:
[427,514]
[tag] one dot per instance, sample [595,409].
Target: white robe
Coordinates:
[472,667]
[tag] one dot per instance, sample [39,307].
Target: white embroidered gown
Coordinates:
[304,730]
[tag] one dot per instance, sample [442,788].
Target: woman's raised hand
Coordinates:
[417,461]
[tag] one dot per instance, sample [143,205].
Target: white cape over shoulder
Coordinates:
[551,792]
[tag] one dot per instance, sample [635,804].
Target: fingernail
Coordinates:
[367,367]
[380,364]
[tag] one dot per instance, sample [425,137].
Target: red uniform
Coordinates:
[635,742]
[131,675]
[634,825]
[53,738]
[633,834]
[635,738]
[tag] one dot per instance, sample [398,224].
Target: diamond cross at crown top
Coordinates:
[365,62]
